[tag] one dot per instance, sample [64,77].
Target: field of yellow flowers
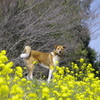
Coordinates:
[79,83]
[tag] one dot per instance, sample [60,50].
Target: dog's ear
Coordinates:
[64,47]
[55,46]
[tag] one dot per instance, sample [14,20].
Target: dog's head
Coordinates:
[59,49]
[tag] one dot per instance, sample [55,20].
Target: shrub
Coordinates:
[77,84]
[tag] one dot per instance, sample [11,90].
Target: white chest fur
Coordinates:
[56,59]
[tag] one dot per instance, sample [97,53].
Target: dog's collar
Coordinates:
[54,54]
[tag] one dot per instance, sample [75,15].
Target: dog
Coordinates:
[47,60]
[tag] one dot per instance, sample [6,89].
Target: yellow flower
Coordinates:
[16,97]
[81,60]
[51,67]
[45,90]
[29,82]
[91,75]
[19,71]
[32,95]
[18,68]
[3,52]
[35,62]
[64,88]
[72,63]
[28,88]
[3,58]
[97,72]
[16,78]
[10,64]
[2,65]
[2,80]
[23,79]
[25,68]
[4,89]
[90,65]
[60,99]
[8,77]
[16,89]
[64,95]
[76,67]
[61,71]
[43,83]
[51,98]
[56,62]
[56,93]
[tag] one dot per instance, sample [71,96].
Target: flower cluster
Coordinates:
[77,83]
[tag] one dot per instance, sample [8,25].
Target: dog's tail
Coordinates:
[27,51]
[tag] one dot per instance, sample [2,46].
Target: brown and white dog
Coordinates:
[45,59]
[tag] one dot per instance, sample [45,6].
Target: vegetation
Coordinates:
[44,23]
[77,84]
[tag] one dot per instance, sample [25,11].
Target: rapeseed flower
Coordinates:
[19,71]
[35,62]
[16,97]
[56,93]
[81,60]
[2,80]
[64,88]
[16,89]
[3,52]
[3,58]
[60,99]
[77,82]
[4,91]
[23,80]
[51,67]
[45,92]
[32,95]
[52,98]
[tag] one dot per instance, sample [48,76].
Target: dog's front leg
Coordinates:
[50,75]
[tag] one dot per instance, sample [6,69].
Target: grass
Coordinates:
[79,83]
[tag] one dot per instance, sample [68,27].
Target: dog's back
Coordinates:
[33,55]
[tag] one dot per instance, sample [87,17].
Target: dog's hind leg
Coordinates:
[30,71]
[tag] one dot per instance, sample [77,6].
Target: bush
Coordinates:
[79,83]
